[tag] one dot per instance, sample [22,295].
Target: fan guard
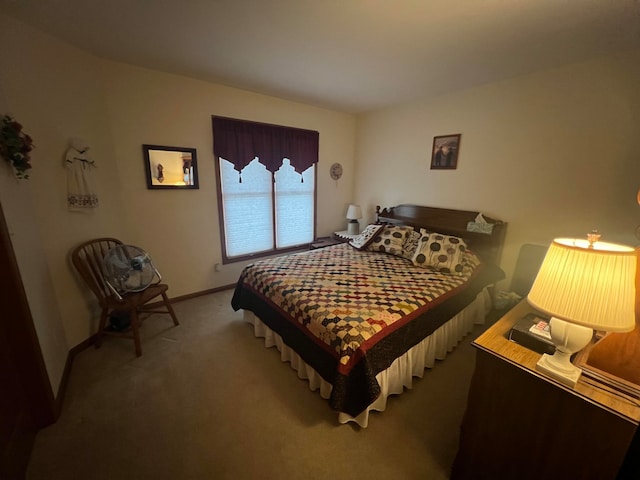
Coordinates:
[128,268]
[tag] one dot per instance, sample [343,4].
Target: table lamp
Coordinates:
[354,212]
[583,285]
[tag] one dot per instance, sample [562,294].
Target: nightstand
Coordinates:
[522,424]
[325,242]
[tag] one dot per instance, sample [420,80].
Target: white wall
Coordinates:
[180,228]
[54,91]
[59,92]
[26,240]
[554,154]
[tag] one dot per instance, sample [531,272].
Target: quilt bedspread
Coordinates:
[350,313]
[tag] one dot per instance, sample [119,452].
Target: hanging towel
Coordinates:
[81,196]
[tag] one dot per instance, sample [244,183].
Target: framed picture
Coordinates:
[611,368]
[446,149]
[170,167]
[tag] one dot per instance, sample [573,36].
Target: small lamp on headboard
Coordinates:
[583,285]
[354,213]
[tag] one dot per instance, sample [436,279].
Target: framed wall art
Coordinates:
[444,155]
[170,167]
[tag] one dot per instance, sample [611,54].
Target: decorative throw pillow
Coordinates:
[411,244]
[442,253]
[361,241]
[471,260]
[391,240]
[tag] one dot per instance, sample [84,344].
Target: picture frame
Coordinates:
[445,152]
[170,168]
[617,380]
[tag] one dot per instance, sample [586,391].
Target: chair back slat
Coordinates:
[87,259]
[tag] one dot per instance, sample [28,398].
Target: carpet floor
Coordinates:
[207,400]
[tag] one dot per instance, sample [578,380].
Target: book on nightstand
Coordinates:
[532,332]
[541,329]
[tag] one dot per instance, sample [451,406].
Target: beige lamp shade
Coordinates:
[354,212]
[593,286]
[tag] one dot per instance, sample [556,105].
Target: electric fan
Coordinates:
[128,268]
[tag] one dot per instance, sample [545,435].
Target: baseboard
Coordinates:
[189,296]
[62,388]
[202,293]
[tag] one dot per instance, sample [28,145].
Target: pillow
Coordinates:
[361,241]
[390,239]
[442,253]
[411,244]
[471,260]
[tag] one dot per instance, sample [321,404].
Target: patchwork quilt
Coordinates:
[350,313]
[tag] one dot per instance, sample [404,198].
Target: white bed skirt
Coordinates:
[401,372]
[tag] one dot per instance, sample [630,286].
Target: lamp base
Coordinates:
[568,377]
[568,338]
[353,227]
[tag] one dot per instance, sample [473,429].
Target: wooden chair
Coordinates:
[87,259]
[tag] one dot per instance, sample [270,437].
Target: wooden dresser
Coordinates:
[521,424]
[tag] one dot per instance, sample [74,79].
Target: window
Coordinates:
[266,179]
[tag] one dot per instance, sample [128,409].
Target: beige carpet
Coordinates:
[207,401]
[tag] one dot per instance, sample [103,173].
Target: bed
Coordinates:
[360,320]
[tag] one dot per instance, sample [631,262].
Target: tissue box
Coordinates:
[480,227]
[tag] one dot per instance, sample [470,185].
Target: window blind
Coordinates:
[267,186]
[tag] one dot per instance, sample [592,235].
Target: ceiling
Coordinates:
[347,55]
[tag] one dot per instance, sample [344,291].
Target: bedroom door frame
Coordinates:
[29,403]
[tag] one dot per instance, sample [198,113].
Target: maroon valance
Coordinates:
[240,141]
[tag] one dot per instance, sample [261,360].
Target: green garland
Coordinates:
[15,146]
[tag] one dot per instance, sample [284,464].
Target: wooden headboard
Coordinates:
[449,222]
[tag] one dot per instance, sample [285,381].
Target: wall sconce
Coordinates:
[354,213]
[583,285]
